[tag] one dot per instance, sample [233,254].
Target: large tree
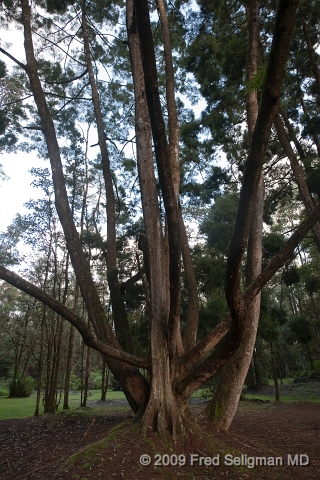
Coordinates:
[177,365]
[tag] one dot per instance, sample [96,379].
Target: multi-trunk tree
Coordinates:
[176,363]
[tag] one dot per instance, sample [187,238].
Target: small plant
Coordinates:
[21,387]
[3,392]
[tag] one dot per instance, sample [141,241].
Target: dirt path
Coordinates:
[35,448]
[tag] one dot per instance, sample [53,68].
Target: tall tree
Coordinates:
[175,368]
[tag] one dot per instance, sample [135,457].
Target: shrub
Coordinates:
[3,392]
[21,387]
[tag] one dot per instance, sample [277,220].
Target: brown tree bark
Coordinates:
[161,411]
[166,169]
[224,404]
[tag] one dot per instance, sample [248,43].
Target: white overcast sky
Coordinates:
[15,191]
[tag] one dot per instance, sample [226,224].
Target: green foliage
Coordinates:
[256,82]
[300,330]
[271,244]
[291,276]
[3,392]
[21,387]
[218,225]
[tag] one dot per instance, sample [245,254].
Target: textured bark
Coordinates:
[298,175]
[224,404]
[173,124]
[166,169]
[161,411]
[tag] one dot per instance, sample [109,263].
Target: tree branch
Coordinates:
[22,65]
[72,318]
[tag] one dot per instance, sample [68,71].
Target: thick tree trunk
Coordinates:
[167,169]
[224,404]
[161,412]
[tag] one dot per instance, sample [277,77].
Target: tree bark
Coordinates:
[166,170]
[224,404]
[190,333]
[161,412]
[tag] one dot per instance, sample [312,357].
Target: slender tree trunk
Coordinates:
[274,372]
[190,334]
[70,353]
[85,390]
[312,53]
[292,134]
[121,322]
[104,381]
[40,362]
[316,139]
[298,175]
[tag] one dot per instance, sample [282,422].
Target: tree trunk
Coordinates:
[312,53]
[274,372]
[223,406]
[120,318]
[161,412]
[298,175]
[104,381]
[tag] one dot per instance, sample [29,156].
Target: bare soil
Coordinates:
[37,447]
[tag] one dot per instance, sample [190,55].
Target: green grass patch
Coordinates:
[25,407]
[17,407]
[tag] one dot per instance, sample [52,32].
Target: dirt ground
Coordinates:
[36,448]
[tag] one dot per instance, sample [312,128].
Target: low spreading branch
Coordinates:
[72,318]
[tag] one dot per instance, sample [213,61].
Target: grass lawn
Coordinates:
[25,407]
